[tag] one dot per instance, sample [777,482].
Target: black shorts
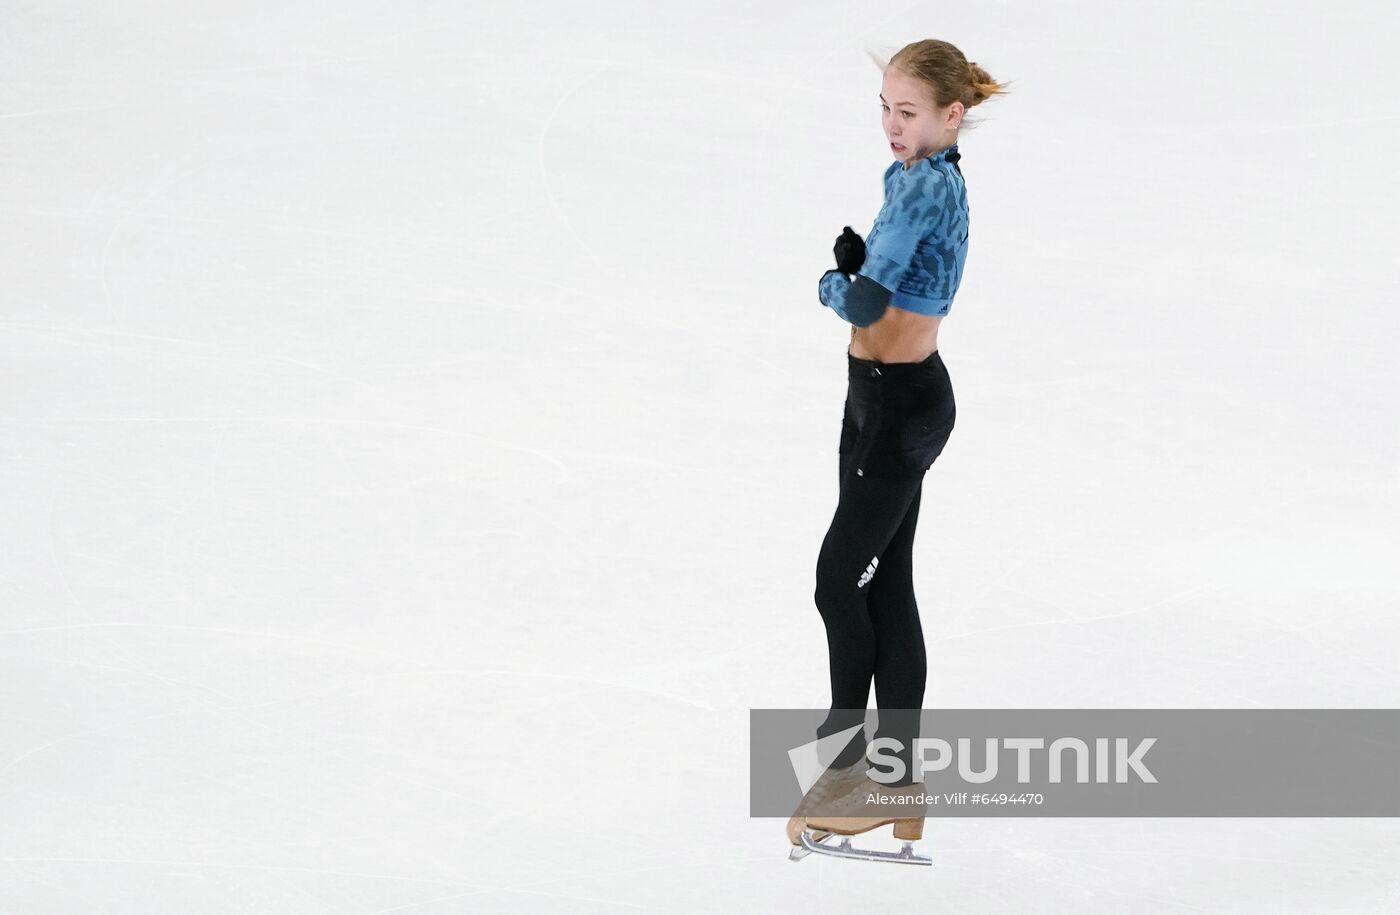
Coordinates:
[898,416]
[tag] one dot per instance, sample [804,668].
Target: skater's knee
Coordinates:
[833,599]
[842,588]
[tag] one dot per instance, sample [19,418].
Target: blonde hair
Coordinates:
[948,74]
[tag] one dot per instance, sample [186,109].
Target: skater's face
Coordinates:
[914,126]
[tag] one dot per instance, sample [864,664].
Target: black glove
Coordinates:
[849,250]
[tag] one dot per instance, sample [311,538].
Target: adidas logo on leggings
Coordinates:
[869,573]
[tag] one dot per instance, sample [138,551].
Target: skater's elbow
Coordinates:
[866,301]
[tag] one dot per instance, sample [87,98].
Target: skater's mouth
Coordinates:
[896,147]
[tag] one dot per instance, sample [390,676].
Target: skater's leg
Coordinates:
[901,667]
[868,514]
[901,664]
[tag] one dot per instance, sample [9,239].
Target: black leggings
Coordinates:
[898,417]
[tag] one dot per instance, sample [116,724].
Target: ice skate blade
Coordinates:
[799,852]
[846,850]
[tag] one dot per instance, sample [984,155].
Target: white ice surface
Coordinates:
[418,425]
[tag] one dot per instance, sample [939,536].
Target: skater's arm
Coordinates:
[914,203]
[860,302]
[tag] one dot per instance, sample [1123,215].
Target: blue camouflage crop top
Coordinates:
[915,252]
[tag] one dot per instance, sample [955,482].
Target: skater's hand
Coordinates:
[849,250]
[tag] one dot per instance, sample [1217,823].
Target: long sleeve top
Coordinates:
[915,252]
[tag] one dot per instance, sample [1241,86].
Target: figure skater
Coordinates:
[894,288]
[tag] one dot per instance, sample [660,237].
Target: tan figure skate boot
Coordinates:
[870,805]
[832,784]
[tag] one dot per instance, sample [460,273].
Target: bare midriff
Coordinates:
[899,336]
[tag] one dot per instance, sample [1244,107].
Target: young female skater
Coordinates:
[899,413]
